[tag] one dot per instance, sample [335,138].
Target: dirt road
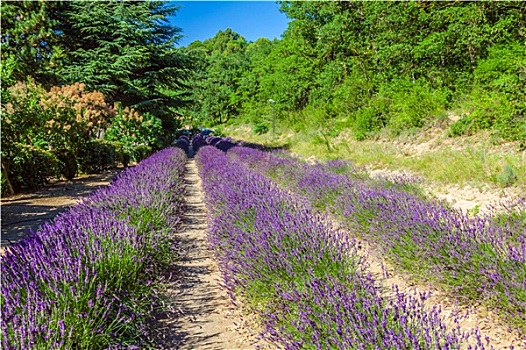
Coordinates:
[23,212]
[206,319]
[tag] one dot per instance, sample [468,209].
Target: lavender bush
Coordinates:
[301,275]
[87,280]
[482,258]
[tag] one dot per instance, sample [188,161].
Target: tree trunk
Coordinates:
[9,186]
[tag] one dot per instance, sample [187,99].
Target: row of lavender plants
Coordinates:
[481,258]
[301,275]
[222,143]
[89,278]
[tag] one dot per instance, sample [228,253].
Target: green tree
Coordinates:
[216,84]
[126,50]
[30,34]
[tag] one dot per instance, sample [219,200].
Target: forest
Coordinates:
[85,84]
[369,66]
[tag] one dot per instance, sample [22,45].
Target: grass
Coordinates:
[474,160]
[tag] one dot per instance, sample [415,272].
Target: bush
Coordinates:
[140,152]
[4,187]
[122,154]
[32,167]
[497,99]
[507,176]
[97,156]
[367,120]
[260,128]
[462,126]
[414,104]
[67,163]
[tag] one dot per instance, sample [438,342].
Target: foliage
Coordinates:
[97,156]
[376,65]
[131,129]
[122,154]
[217,81]
[140,152]
[498,101]
[67,163]
[507,176]
[30,31]
[63,120]
[31,167]
[70,121]
[125,50]
[90,108]
[260,128]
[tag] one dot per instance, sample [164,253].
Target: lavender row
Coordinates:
[302,276]
[482,258]
[221,143]
[87,280]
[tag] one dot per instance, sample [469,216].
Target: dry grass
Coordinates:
[474,160]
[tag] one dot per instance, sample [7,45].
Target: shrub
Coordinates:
[260,128]
[122,154]
[130,128]
[507,176]
[140,152]
[32,167]
[98,155]
[4,187]
[414,104]
[368,120]
[497,99]
[67,163]
[461,127]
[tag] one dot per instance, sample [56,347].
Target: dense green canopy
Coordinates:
[371,65]
[124,49]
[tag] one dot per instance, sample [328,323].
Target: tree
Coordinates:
[30,34]
[124,49]
[127,51]
[221,64]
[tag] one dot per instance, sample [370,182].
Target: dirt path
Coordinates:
[206,319]
[23,212]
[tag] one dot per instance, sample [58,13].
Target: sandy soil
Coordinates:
[28,211]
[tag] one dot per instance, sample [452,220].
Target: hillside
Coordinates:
[470,172]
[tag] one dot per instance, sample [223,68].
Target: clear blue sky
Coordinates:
[201,20]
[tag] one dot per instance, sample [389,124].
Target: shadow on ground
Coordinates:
[24,212]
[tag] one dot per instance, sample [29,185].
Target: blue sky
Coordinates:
[201,20]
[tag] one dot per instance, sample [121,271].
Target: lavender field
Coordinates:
[481,258]
[91,278]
